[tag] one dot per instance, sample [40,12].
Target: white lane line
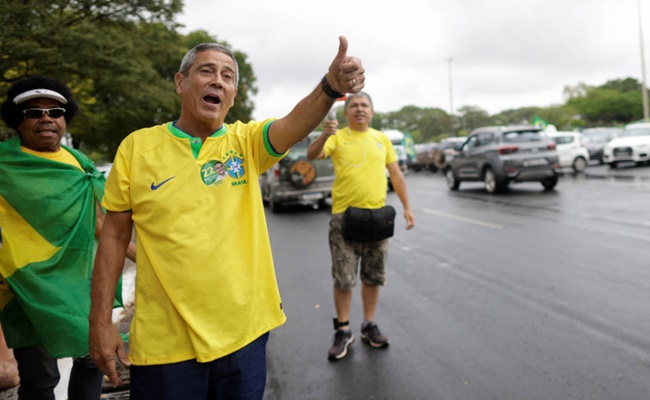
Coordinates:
[468,220]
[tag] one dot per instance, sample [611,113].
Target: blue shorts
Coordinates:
[237,376]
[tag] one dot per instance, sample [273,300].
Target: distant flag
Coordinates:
[409,145]
[540,123]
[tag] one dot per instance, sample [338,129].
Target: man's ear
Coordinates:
[178,79]
[233,98]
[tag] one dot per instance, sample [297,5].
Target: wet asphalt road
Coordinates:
[525,295]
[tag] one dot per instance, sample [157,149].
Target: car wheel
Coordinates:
[613,164]
[322,204]
[490,181]
[549,183]
[452,182]
[579,164]
[274,204]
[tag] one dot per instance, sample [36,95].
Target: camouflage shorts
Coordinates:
[347,254]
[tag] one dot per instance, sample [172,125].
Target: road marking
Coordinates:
[468,220]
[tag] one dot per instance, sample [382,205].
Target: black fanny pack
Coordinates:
[368,225]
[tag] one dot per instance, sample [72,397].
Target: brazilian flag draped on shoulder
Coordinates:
[47,220]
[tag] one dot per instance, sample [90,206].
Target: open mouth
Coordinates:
[212,99]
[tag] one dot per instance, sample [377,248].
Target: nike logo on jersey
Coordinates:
[154,186]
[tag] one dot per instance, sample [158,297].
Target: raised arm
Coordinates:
[315,149]
[104,340]
[345,75]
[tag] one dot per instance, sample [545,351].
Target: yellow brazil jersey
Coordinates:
[205,282]
[360,160]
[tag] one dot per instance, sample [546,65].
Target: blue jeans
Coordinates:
[39,375]
[237,376]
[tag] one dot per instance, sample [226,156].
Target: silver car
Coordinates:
[499,155]
[297,180]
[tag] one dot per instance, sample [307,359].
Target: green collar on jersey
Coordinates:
[195,142]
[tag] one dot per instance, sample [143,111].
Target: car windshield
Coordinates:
[596,137]
[452,144]
[628,132]
[562,139]
[298,151]
[522,136]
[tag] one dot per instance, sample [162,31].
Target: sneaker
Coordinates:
[342,339]
[371,334]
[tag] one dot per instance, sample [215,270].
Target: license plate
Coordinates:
[312,196]
[534,162]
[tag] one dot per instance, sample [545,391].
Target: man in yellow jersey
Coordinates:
[204,307]
[360,155]
[49,216]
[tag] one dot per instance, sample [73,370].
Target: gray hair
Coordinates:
[360,94]
[190,57]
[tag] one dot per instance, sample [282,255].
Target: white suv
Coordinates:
[633,144]
[571,150]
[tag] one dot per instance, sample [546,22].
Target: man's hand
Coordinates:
[105,343]
[409,218]
[346,74]
[329,127]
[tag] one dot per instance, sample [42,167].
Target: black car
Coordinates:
[595,140]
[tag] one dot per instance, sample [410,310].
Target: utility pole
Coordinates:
[451,100]
[644,90]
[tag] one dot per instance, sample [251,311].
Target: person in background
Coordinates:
[204,307]
[50,216]
[360,156]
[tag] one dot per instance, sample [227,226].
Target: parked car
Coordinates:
[633,144]
[571,150]
[428,156]
[450,147]
[397,139]
[297,180]
[595,140]
[499,155]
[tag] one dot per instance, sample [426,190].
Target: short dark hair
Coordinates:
[360,94]
[12,114]
[190,57]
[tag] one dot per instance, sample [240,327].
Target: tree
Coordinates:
[472,117]
[118,57]
[424,124]
[616,102]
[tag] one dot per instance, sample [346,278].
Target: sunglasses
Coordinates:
[36,113]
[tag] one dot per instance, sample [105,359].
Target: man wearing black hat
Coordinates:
[50,215]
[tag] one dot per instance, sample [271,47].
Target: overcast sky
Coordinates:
[506,53]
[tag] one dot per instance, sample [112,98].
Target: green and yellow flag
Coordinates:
[540,123]
[47,222]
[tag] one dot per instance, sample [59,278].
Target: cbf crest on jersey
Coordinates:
[235,164]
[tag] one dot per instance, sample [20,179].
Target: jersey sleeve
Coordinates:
[391,156]
[117,192]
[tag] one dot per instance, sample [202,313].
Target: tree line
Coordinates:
[119,58]
[613,104]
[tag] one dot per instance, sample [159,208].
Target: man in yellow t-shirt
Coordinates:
[206,292]
[360,155]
